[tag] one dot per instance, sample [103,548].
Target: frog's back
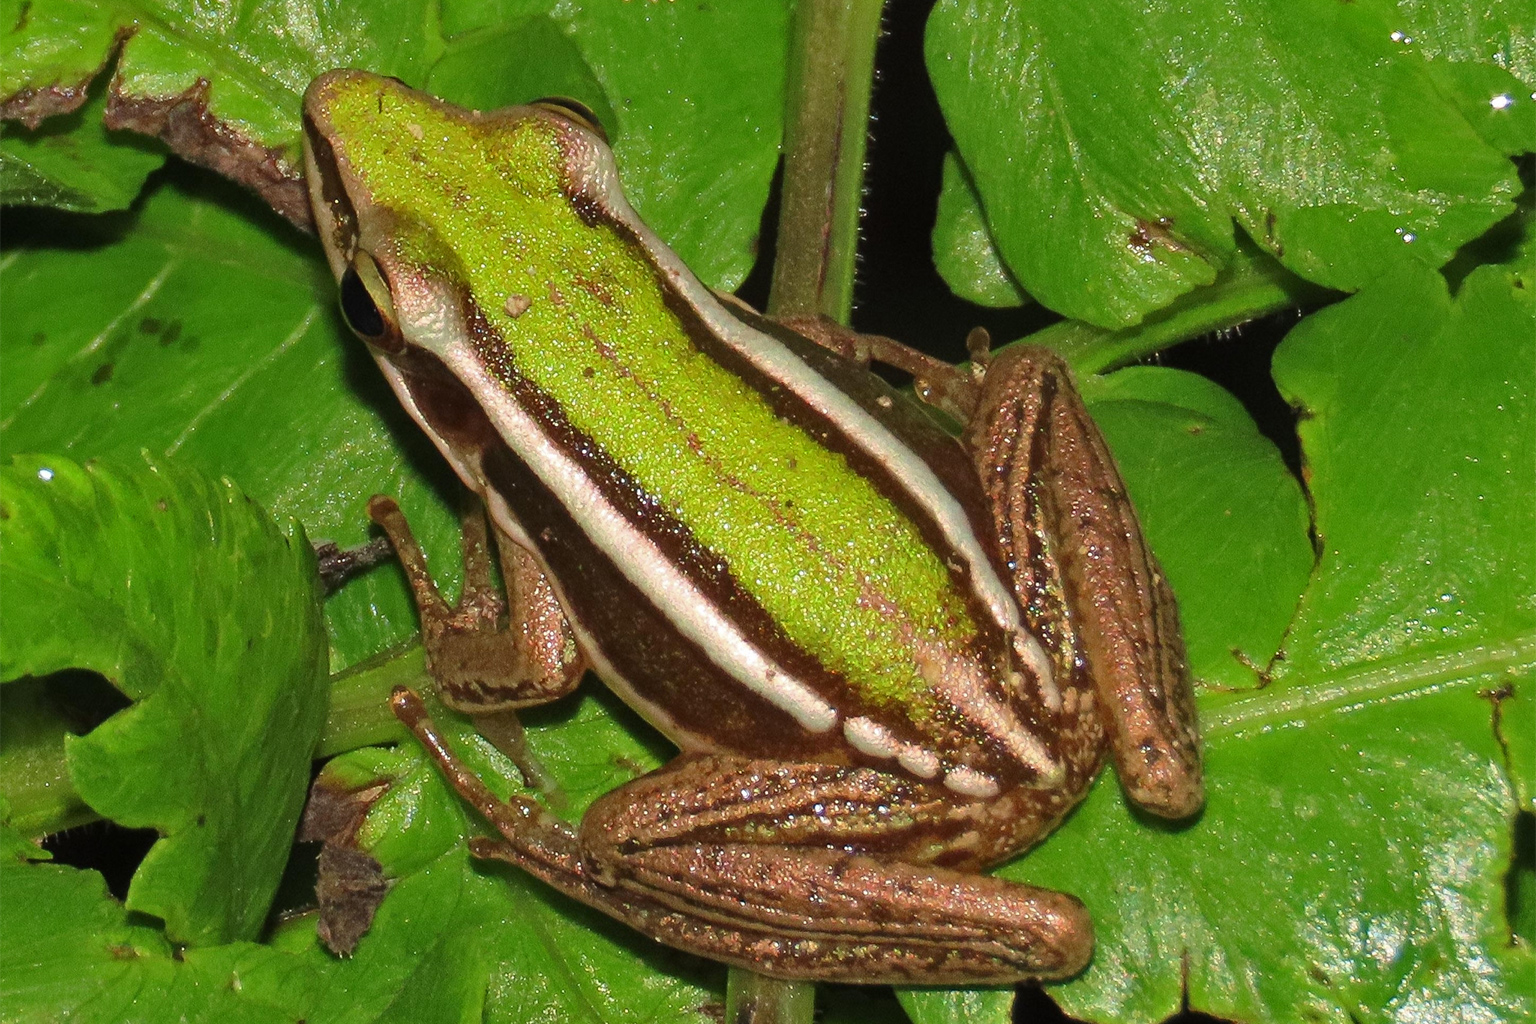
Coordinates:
[757,560]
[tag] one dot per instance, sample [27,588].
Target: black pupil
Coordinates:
[358,307]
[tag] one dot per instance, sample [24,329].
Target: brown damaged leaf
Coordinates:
[349,892]
[351,884]
[33,105]
[185,124]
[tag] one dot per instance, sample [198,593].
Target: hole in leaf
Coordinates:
[103,846]
[1500,243]
[81,699]
[1520,883]
[1031,1005]
[38,713]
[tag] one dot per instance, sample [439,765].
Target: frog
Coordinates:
[890,658]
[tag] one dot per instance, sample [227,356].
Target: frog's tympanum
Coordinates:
[889,658]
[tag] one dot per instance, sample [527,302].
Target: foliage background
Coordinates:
[1356,583]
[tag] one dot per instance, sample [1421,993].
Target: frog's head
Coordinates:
[436,219]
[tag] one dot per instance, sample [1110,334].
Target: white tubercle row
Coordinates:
[870,737]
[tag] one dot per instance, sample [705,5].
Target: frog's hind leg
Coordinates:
[783,869]
[1065,519]
[825,872]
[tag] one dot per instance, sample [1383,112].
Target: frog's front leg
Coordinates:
[800,871]
[489,655]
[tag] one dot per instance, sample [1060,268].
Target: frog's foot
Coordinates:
[1061,495]
[951,389]
[484,661]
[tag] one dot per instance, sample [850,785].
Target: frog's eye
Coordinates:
[366,304]
[573,110]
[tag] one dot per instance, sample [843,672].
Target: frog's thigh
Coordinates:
[1071,496]
[752,856]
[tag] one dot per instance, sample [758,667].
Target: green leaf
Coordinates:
[963,251]
[1252,285]
[449,942]
[14,846]
[191,601]
[1432,553]
[1486,56]
[517,61]
[69,951]
[223,88]
[1350,863]
[1112,154]
[234,310]
[51,51]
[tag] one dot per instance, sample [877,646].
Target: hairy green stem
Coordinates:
[1253,285]
[831,73]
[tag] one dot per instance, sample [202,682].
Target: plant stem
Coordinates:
[359,709]
[1253,285]
[831,73]
[756,999]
